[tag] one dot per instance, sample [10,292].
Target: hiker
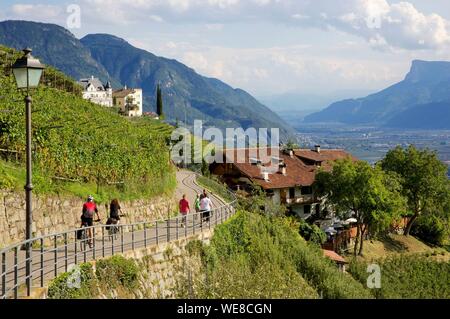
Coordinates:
[197,203]
[184,209]
[205,206]
[87,217]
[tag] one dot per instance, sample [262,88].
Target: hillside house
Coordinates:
[287,177]
[97,92]
[129,101]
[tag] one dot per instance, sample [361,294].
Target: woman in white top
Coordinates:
[205,207]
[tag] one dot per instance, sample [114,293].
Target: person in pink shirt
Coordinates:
[184,209]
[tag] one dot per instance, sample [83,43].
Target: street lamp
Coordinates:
[27,71]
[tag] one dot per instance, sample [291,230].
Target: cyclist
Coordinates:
[87,217]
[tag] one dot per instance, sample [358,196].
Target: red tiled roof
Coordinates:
[333,256]
[323,156]
[297,173]
[123,92]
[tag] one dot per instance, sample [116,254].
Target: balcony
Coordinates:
[302,199]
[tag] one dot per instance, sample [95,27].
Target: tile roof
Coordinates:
[333,256]
[95,82]
[123,92]
[298,173]
[323,156]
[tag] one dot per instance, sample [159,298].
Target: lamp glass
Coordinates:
[21,77]
[34,76]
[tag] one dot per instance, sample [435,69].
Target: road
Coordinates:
[48,262]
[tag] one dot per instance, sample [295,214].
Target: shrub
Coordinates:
[77,284]
[312,233]
[431,229]
[116,271]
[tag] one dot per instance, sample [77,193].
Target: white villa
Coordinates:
[96,92]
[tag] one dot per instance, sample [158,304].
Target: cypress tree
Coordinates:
[159,103]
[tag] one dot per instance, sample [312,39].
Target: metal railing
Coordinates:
[56,253]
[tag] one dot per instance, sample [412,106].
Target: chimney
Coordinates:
[265,176]
[291,153]
[282,168]
[317,148]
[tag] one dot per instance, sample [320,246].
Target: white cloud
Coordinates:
[214,27]
[399,24]
[156,18]
[37,12]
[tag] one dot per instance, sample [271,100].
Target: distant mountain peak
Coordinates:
[104,37]
[428,71]
[427,83]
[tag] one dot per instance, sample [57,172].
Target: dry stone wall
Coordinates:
[52,214]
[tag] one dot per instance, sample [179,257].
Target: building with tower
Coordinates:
[96,92]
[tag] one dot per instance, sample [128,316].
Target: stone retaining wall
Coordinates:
[52,214]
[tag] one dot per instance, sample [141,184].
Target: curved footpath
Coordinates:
[59,257]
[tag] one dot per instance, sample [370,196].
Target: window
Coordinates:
[306,190]
[292,192]
[307,209]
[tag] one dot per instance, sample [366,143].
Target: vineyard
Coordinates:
[78,145]
[403,276]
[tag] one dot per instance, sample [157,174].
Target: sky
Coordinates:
[267,47]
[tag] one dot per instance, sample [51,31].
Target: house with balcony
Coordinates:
[286,176]
[129,101]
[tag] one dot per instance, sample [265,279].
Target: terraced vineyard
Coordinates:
[79,145]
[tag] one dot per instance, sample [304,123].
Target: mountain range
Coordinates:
[420,101]
[187,95]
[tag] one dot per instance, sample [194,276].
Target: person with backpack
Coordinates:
[87,217]
[184,209]
[115,209]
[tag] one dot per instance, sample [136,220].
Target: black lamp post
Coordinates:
[28,71]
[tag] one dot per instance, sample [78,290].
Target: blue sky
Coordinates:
[269,46]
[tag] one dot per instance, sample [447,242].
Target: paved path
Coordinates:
[48,262]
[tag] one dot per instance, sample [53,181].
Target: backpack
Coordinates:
[89,210]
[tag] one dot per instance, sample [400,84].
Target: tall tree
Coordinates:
[371,195]
[423,177]
[159,102]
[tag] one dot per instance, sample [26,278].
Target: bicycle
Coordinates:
[113,228]
[83,237]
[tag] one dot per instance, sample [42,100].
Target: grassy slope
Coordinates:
[253,256]
[399,244]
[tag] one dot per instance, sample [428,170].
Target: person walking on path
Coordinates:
[205,206]
[184,209]
[197,203]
